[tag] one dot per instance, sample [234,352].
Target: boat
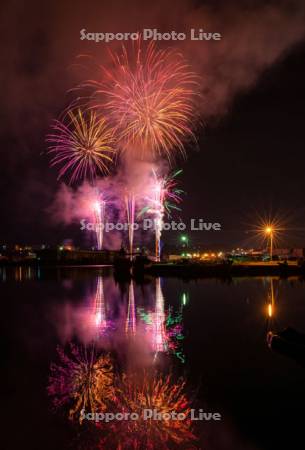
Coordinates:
[288,342]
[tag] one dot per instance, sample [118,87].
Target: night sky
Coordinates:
[249,159]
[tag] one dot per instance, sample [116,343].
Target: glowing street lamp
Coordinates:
[184,239]
[269,232]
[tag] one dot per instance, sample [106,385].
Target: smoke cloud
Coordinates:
[41,63]
[73,205]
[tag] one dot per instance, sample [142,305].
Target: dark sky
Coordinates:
[251,164]
[250,157]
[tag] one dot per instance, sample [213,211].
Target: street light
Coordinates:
[269,232]
[184,240]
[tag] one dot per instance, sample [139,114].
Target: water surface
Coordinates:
[209,332]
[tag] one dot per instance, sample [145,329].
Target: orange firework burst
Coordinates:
[160,394]
[83,146]
[82,380]
[149,96]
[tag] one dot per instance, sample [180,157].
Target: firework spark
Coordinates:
[99,306]
[98,208]
[159,334]
[131,320]
[81,380]
[130,213]
[164,197]
[149,95]
[83,146]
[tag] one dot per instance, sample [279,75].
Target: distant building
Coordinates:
[174,257]
[289,252]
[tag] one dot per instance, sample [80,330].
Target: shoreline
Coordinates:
[184,271]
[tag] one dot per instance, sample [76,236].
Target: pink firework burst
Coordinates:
[149,95]
[82,144]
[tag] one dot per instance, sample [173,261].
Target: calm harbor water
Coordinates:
[210,333]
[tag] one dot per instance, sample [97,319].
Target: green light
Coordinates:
[183,238]
[184,298]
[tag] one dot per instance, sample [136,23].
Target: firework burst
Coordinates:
[81,380]
[149,95]
[155,392]
[165,195]
[82,144]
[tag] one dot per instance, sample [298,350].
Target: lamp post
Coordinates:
[269,232]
